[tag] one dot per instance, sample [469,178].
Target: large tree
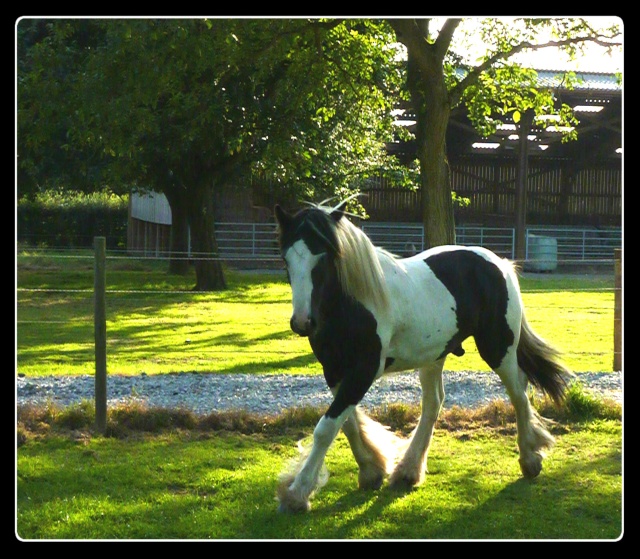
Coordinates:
[439,79]
[48,58]
[189,106]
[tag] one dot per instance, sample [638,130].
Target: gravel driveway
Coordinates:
[205,393]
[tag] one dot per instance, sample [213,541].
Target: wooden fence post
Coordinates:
[617,311]
[100,331]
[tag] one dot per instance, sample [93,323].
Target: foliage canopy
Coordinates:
[188,106]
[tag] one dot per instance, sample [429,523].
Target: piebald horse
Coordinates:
[368,313]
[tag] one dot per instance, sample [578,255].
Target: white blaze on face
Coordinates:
[300,262]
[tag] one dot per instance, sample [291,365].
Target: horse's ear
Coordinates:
[338,212]
[282,216]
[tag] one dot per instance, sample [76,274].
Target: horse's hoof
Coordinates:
[402,483]
[293,508]
[370,482]
[405,479]
[532,467]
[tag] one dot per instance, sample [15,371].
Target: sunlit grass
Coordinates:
[155,324]
[167,474]
[164,474]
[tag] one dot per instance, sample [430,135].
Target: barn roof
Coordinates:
[594,81]
[597,101]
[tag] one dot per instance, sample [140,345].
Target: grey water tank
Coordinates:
[542,253]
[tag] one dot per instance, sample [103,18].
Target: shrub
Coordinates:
[72,219]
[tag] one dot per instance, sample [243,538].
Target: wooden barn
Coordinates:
[569,183]
[577,183]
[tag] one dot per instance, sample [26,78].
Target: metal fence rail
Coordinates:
[580,244]
[257,241]
[402,239]
[500,240]
[247,239]
[573,243]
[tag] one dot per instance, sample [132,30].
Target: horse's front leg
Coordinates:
[295,488]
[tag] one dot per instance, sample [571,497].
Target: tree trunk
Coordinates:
[209,271]
[437,203]
[430,98]
[179,237]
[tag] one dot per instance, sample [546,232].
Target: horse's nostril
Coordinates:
[301,330]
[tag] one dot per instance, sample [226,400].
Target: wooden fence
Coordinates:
[617,317]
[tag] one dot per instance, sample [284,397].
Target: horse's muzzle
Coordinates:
[303,328]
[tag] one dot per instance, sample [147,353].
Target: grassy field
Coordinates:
[216,479]
[156,325]
[165,474]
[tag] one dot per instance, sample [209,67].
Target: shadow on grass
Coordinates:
[158,490]
[216,484]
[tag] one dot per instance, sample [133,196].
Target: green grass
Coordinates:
[167,474]
[179,477]
[155,324]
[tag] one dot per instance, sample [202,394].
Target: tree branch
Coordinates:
[473,76]
[410,34]
[327,25]
[446,34]
[414,34]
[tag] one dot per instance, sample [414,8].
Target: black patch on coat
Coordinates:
[481,298]
[315,227]
[345,339]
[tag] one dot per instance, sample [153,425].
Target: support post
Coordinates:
[100,332]
[526,121]
[617,311]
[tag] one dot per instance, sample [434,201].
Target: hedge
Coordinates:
[72,220]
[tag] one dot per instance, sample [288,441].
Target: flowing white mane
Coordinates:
[358,263]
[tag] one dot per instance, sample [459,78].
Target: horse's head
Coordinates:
[307,239]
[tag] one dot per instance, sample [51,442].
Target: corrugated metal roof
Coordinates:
[586,80]
[596,81]
[153,207]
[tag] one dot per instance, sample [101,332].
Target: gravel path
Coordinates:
[205,393]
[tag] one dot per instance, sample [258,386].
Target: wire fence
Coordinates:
[155,322]
[255,244]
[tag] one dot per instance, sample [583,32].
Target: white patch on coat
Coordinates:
[300,261]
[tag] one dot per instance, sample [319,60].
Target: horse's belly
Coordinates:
[414,348]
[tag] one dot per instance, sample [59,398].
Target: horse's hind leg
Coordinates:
[533,438]
[411,469]
[373,446]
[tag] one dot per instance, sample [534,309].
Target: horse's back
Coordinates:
[444,295]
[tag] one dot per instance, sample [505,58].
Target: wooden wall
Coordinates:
[558,193]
